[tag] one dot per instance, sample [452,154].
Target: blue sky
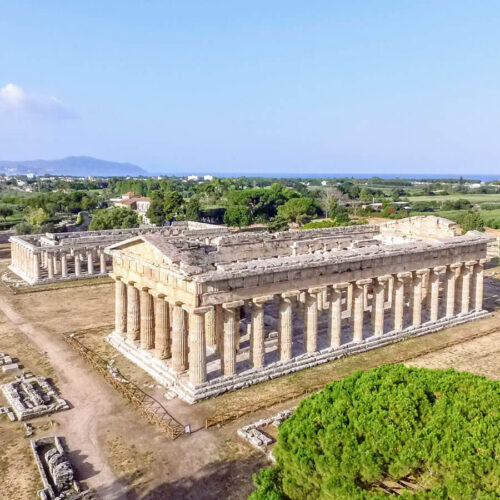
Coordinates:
[276,87]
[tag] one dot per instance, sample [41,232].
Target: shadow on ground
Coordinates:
[230,480]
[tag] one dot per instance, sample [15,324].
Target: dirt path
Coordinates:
[81,426]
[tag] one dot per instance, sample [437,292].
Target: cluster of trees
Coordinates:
[113,218]
[438,428]
[55,202]
[277,204]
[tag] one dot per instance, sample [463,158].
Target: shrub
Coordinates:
[299,210]
[471,221]
[277,224]
[237,215]
[439,428]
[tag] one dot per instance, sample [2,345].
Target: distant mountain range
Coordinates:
[77,166]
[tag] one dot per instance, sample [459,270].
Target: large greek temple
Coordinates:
[204,314]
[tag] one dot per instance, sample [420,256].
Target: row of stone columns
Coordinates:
[182,333]
[56,263]
[176,331]
[26,260]
[30,262]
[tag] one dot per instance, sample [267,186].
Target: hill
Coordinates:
[78,166]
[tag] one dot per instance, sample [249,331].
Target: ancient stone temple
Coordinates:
[204,315]
[44,258]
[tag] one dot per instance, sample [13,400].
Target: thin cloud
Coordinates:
[13,99]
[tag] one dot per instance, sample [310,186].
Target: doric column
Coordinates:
[231,334]
[426,296]
[64,265]
[434,291]
[50,267]
[102,262]
[358,296]
[311,319]
[147,319]
[398,300]
[36,266]
[162,328]
[54,259]
[133,316]
[451,279]
[257,340]
[477,279]
[90,262]
[77,264]
[349,301]
[197,345]
[286,325]
[179,339]
[335,315]
[464,287]
[210,331]
[390,290]
[378,304]
[416,296]
[120,307]
[219,329]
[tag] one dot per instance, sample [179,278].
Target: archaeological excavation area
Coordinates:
[205,313]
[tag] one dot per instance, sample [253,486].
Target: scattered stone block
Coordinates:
[10,367]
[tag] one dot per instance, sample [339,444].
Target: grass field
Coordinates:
[473,198]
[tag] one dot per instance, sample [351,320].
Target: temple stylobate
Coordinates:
[207,314]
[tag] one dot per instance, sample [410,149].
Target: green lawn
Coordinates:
[473,198]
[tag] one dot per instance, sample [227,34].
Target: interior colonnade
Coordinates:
[356,310]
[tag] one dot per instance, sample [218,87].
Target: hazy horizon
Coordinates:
[231,89]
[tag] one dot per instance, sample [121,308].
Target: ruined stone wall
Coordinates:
[427,227]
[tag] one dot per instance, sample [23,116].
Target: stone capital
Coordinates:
[197,310]
[233,305]
[456,265]
[404,275]
[383,279]
[316,289]
[290,294]
[363,282]
[471,263]
[439,269]
[482,262]
[340,286]
[262,300]
[421,272]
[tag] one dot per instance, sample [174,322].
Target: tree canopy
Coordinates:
[114,218]
[437,428]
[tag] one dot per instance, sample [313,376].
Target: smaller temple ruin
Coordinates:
[49,257]
[32,397]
